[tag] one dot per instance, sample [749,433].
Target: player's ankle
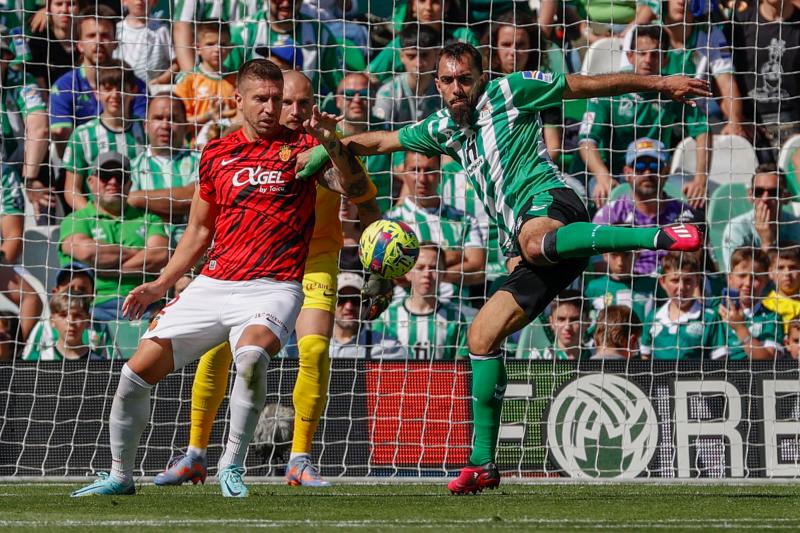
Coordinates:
[199,453]
[295,455]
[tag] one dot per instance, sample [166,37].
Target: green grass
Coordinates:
[407,507]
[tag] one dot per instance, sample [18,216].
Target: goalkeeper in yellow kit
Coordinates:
[314,327]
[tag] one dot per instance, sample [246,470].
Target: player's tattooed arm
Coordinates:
[679,88]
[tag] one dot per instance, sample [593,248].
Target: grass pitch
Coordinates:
[409,507]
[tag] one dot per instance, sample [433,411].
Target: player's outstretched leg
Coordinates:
[129,414]
[208,391]
[584,239]
[309,399]
[247,400]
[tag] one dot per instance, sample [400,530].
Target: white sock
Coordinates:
[247,400]
[191,451]
[295,455]
[129,414]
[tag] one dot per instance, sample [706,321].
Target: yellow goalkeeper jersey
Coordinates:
[327,236]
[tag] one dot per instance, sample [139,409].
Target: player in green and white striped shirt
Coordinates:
[432,220]
[427,328]
[494,131]
[112,131]
[164,175]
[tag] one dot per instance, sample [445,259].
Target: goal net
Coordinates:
[649,365]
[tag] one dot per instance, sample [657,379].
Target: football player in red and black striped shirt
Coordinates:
[261,219]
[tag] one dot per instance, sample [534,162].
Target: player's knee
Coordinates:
[132,384]
[251,363]
[478,340]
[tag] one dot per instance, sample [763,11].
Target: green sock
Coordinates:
[584,239]
[489,381]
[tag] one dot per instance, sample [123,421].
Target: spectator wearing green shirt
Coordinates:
[617,335]
[124,245]
[769,224]
[428,328]
[569,320]
[165,173]
[681,328]
[12,215]
[744,328]
[611,124]
[112,131]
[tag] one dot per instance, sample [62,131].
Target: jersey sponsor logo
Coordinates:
[695,329]
[538,75]
[226,162]
[257,176]
[486,112]
[285,153]
[269,317]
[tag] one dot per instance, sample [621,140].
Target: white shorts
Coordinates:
[211,311]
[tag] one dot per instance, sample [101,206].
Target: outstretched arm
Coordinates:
[679,88]
[374,142]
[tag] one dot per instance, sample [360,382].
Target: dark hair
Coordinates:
[420,36]
[441,260]
[688,262]
[769,168]
[116,74]
[174,102]
[99,12]
[522,20]
[220,27]
[793,324]
[452,10]
[615,325]
[758,256]
[657,33]
[259,69]
[571,297]
[788,250]
[459,50]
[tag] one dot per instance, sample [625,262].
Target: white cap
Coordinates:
[350,279]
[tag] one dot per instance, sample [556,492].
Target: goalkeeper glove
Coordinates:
[376,296]
[317,158]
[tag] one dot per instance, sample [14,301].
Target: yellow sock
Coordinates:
[208,391]
[310,390]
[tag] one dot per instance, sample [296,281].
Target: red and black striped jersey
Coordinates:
[265,217]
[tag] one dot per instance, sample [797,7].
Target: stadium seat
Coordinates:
[726,202]
[733,161]
[603,57]
[40,254]
[126,335]
[787,151]
[536,335]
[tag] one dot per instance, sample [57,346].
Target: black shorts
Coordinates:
[534,286]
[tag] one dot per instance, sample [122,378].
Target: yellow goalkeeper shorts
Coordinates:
[319,282]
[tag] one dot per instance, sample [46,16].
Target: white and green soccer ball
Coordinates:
[388,248]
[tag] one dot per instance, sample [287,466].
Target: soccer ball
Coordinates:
[388,248]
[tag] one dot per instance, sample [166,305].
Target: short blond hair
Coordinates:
[64,302]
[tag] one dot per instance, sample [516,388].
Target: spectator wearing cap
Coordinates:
[145,43]
[112,131]
[769,224]
[611,124]
[123,244]
[280,23]
[646,164]
[206,92]
[287,56]
[73,99]
[165,173]
[67,334]
[352,337]
[412,95]
[23,117]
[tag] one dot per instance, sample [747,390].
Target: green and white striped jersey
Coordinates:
[446,226]
[503,149]
[20,97]
[227,10]
[441,334]
[690,337]
[150,172]
[11,199]
[41,345]
[458,192]
[89,140]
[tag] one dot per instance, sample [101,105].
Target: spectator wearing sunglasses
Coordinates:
[123,245]
[768,225]
[646,167]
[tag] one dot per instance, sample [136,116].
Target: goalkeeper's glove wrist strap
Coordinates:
[367,196]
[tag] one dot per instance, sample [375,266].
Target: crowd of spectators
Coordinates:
[106,106]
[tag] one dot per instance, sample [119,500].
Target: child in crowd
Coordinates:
[785,274]
[679,329]
[568,320]
[792,339]
[206,92]
[620,286]
[617,333]
[68,334]
[146,43]
[743,327]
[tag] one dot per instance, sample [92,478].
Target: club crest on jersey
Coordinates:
[486,112]
[285,153]
[537,75]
